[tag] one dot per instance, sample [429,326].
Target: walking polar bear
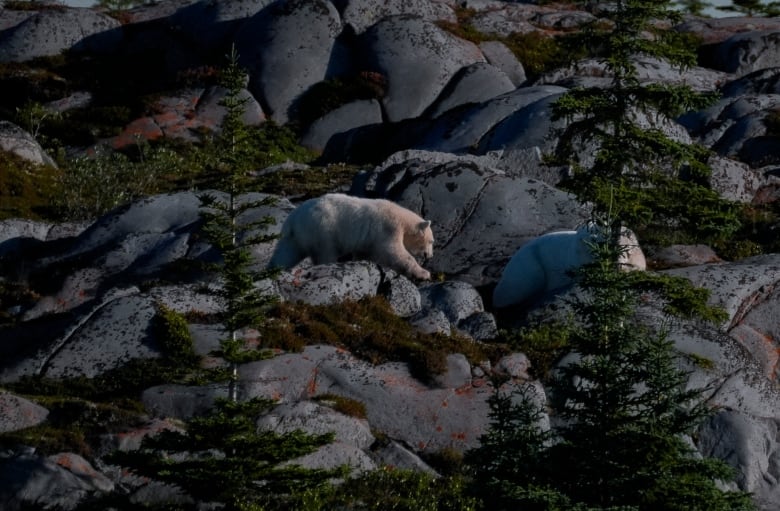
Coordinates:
[543,266]
[335,226]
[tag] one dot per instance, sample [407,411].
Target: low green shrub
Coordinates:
[26,189]
[174,336]
[544,344]
[388,489]
[90,186]
[345,405]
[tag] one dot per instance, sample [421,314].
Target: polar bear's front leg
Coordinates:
[400,260]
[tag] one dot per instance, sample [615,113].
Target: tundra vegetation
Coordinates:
[618,447]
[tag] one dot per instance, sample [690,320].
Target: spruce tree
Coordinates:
[623,413]
[228,230]
[222,461]
[621,407]
[661,185]
[626,409]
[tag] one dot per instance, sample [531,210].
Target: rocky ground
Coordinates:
[457,135]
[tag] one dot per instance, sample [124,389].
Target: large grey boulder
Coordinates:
[736,126]
[737,181]
[136,242]
[14,139]
[718,29]
[499,55]
[330,283]
[102,337]
[750,445]
[480,215]
[418,58]
[352,435]
[19,413]
[476,83]
[51,31]
[344,118]
[360,15]
[595,73]
[210,24]
[746,52]
[59,481]
[466,130]
[287,49]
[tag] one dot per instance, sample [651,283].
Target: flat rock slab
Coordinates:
[397,404]
[18,413]
[330,283]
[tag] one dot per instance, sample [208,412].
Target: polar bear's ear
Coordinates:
[424,225]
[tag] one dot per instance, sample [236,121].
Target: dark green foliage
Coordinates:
[679,299]
[540,52]
[223,458]
[695,7]
[174,336]
[543,343]
[626,407]
[396,490]
[507,466]
[753,8]
[90,186]
[623,410]
[659,184]
[306,183]
[228,230]
[26,189]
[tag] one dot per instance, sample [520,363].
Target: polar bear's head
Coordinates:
[632,257]
[419,241]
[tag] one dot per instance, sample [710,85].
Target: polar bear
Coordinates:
[335,226]
[544,265]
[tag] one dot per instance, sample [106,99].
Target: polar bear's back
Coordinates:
[350,221]
[543,265]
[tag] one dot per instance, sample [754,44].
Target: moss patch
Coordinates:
[369,329]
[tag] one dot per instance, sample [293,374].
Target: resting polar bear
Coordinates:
[335,226]
[544,265]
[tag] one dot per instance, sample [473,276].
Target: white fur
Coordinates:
[335,226]
[543,266]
